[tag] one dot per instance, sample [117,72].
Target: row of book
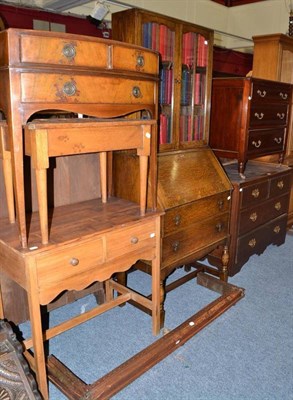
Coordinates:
[165,135]
[194,50]
[190,128]
[166,82]
[160,38]
[188,87]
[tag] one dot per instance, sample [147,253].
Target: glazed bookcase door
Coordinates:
[194,63]
[157,35]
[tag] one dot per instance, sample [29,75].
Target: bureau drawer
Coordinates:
[179,218]
[74,89]
[135,60]
[268,114]
[270,92]
[130,239]
[266,141]
[63,51]
[281,184]
[253,194]
[182,244]
[57,266]
[255,242]
[259,214]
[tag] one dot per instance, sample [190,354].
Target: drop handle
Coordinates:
[278,206]
[177,220]
[252,243]
[281,115]
[278,140]
[284,96]
[259,115]
[261,93]
[220,204]
[256,144]
[69,89]
[175,246]
[219,227]
[277,229]
[134,240]
[74,261]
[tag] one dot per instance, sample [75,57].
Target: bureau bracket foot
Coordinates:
[111,383]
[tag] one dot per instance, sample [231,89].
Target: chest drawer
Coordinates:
[256,241]
[271,114]
[184,243]
[59,51]
[135,60]
[272,92]
[253,194]
[266,140]
[69,261]
[181,217]
[259,214]
[280,184]
[130,239]
[67,88]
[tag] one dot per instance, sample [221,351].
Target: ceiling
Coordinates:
[66,5]
[232,3]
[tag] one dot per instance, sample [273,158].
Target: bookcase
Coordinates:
[273,59]
[192,189]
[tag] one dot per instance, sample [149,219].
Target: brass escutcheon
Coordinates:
[255,193]
[252,243]
[253,217]
[277,229]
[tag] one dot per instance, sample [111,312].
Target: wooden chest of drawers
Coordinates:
[259,210]
[249,118]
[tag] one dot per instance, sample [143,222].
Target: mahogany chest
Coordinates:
[259,210]
[249,118]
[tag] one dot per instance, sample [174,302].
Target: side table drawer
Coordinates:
[273,114]
[267,92]
[57,266]
[67,88]
[130,239]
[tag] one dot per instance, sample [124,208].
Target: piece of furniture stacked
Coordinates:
[96,84]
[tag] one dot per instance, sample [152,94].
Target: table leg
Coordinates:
[103,175]
[156,283]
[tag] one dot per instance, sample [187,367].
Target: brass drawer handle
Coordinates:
[259,116]
[69,89]
[136,92]
[134,240]
[278,140]
[252,243]
[281,116]
[278,206]
[69,51]
[261,93]
[140,61]
[253,217]
[255,193]
[280,184]
[220,204]
[74,261]
[256,144]
[219,227]
[175,246]
[277,229]
[284,96]
[177,220]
